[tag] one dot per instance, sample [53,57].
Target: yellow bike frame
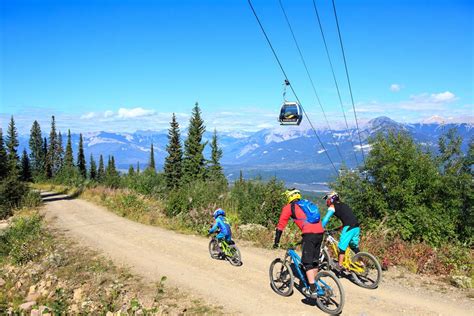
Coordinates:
[350,265]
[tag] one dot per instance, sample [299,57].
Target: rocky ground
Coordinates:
[66,278]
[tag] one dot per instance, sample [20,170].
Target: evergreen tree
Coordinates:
[194,162]
[47,164]
[60,151]
[131,171]
[215,168]
[138,167]
[151,164]
[36,149]
[53,158]
[3,158]
[173,162]
[101,170]
[68,156]
[12,144]
[81,159]
[92,169]
[25,171]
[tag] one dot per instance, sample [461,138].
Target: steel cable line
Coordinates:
[348,80]
[333,75]
[291,87]
[310,78]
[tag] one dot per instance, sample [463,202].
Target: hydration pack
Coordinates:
[311,211]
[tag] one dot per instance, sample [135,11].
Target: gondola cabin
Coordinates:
[290,114]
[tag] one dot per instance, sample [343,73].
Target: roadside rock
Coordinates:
[461,281]
[77,295]
[27,306]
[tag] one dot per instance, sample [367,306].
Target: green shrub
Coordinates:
[12,192]
[31,199]
[21,241]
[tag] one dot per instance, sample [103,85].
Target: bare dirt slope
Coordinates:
[153,252]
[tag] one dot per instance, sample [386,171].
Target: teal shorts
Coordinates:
[349,237]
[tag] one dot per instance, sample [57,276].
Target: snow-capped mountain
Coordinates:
[291,153]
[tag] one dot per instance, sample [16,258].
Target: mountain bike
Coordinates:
[230,252]
[330,293]
[363,266]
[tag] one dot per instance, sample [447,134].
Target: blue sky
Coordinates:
[126,65]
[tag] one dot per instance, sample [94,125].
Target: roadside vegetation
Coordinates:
[415,206]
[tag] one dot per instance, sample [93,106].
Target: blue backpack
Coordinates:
[311,211]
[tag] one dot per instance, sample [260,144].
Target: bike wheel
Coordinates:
[234,258]
[213,249]
[281,277]
[371,276]
[331,299]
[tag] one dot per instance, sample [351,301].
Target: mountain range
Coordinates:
[290,153]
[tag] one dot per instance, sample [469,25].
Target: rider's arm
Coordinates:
[283,221]
[329,213]
[213,229]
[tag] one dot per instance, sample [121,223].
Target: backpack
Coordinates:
[311,211]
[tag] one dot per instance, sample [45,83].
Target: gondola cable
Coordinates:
[291,87]
[309,77]
[333,74]
[348,80]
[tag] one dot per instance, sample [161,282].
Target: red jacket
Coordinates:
[306,228]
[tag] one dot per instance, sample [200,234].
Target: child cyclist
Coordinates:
[350,231]
[223,226]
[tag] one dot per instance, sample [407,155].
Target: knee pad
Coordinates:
[308,266]
[341,252]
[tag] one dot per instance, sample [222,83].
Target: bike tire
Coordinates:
[213,249]
[333,295]
[235,259]
[286,288]
[372,264]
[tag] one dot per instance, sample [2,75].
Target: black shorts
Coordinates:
[311,250]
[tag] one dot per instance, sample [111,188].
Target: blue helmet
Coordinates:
[219,212]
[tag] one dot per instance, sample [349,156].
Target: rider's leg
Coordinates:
[220,237]
[346,236]
[354,243]
[310,257]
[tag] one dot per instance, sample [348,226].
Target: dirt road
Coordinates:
[153,252]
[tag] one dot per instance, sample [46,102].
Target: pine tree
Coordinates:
[138,167]
[215,168]
[92,169]
[36,149]
[53,159]
[68,156]
[81,159]
[173,162]
[47,165]
[194,162]
[25,171]
[151,164]
[12,144]
[60,150]
[101,170]
[131,171]
[3,158]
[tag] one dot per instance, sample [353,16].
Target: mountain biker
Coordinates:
[223,226]
[312,236]
[350,231]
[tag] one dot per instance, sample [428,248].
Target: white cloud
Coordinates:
[108,114]
[443,97]
[88,116]
[395,87]
[133,113]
